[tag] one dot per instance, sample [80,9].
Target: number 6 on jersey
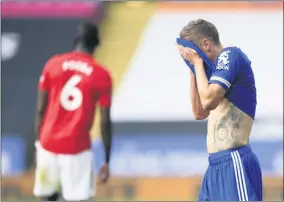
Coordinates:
[71,97]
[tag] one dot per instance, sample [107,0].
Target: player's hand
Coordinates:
[104,174]
[190,54]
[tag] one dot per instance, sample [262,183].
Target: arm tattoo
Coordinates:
[226,129]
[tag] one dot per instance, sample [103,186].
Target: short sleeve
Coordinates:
[105,90]
[226,70]
[43,84]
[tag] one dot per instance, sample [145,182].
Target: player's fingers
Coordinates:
[100,180]
[103,179]
[103,176]
[190,50]
[180,48]
[187,54]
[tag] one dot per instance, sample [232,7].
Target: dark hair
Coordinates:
[195,30]
[88,36]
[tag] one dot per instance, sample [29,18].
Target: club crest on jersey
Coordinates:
[223,60]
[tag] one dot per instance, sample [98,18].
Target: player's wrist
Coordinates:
[198,63]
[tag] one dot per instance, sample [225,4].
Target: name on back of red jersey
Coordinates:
[77,65]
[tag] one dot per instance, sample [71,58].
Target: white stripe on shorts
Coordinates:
[242,174]
[240,178]
[236,175]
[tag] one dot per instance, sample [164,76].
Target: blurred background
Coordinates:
[159,150]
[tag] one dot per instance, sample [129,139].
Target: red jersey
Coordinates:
[75,82]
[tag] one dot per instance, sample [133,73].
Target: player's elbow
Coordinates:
[40,112]
[200,116]
[209,104]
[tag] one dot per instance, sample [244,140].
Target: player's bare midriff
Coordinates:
[228,127]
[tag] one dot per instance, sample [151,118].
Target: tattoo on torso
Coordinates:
[226,129]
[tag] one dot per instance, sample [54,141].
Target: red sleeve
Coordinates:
[44,79]
[43,84]
[105,90]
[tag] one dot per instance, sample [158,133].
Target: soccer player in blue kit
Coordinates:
[228,99]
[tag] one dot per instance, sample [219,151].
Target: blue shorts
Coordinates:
[233,175]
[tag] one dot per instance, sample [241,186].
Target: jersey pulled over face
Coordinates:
[74,83]
[229,125]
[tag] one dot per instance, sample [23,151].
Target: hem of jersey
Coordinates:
[55,150]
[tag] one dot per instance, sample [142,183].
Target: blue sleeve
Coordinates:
[226,70]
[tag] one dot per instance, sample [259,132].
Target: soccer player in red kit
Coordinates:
[70,86]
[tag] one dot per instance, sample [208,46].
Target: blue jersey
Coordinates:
[234,73]
[234,174]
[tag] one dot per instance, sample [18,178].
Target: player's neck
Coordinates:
[83,50]
[217,51]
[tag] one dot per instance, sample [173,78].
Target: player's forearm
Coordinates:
[203,85]
[40,111]
[106,130]
[37,124]
[197,108]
